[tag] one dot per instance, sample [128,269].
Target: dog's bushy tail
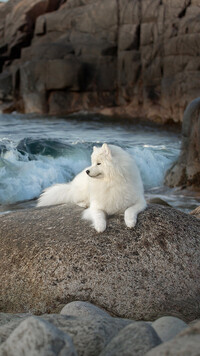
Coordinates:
[57,194]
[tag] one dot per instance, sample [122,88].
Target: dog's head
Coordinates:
[101,158]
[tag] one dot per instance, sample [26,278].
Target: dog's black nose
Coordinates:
[88,172]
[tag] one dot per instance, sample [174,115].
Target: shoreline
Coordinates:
[115,115]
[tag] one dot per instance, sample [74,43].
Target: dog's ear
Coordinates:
[106,150]
[94,148]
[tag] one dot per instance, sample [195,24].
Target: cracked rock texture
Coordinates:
[130,57]
[50,257]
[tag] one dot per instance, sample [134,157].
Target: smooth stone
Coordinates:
[7,328]
[90,335]
[168,327]
[36,337]
[83,309]
[187,343]
[135,339]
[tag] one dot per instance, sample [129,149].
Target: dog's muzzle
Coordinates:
[88,172]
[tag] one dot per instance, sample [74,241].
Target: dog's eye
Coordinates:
[98,164]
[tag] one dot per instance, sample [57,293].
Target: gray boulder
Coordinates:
[83,309]
[49,257]
[135,339]
[7,327]
[6,318]
[89,335]
[184,344]
[168,327]
[36,337]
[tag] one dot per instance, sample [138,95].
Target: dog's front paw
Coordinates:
[130,220]
[100,226]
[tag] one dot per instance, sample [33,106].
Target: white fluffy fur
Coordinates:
[112,185]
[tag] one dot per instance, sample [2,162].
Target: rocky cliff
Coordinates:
[134,57]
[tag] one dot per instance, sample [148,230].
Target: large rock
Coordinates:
[135,339]
[137,57]
[88,331]
[89,335]
[50,257]
[35,336]
[186,171]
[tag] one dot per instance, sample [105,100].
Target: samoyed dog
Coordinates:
[112,185]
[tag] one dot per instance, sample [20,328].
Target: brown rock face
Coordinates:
[186,171]
[135,57]
[50,257]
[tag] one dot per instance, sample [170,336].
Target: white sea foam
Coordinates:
[153,162]
[24,179]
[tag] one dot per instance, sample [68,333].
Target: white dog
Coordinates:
[112,185]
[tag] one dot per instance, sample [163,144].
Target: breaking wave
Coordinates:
[32,164]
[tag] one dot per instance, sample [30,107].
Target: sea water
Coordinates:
[36,152]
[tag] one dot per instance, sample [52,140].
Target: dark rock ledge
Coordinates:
[50,257]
